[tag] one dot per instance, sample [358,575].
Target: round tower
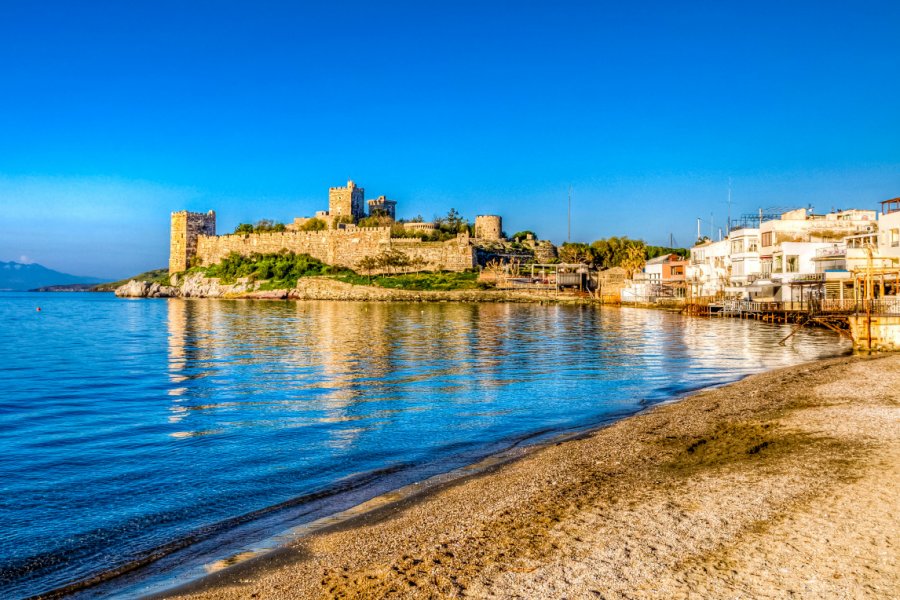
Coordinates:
[489,228]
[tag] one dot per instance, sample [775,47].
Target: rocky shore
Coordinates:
[782,485]
[325,288]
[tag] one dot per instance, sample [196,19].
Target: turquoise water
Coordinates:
[160,432]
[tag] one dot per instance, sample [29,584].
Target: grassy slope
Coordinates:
[156,275]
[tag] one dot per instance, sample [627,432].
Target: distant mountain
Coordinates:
[22,277]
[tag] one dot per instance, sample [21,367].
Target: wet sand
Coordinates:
[786,484]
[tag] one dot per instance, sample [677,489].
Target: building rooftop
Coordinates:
[890,206]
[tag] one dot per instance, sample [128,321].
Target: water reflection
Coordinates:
[361,368]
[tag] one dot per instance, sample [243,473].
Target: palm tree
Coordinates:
[633,260]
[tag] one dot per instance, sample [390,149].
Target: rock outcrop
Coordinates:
[146,289]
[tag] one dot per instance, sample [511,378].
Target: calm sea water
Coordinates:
[162,432]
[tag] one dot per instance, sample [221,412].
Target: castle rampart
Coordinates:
[344,247]
[194,239]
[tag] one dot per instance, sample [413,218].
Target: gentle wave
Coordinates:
[132,431]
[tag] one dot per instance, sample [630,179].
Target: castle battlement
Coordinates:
[194,240]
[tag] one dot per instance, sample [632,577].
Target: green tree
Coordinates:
[522,235]
[634,259]
[314,225]
[376,220]
[342,220]
[576,252]
[453,222]
[367,265]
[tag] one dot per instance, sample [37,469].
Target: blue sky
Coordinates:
[113,114]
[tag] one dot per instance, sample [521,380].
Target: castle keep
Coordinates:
[342,243]
[187,228]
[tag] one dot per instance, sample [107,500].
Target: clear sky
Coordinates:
[113,114]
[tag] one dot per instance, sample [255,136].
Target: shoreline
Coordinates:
[326,288]
[435,541]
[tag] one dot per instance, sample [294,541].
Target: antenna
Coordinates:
[728,223]
[569,228]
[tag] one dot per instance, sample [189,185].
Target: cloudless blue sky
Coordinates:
[113,114]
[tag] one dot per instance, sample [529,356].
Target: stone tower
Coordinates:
[186,228]
[488,228]
[347,201]
[382,206]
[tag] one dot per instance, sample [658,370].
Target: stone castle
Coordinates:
[342,243]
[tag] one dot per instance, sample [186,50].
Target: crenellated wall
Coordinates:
[344,247]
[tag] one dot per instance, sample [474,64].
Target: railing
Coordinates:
[809,277]
[880,306]
[836,251]
[834,305]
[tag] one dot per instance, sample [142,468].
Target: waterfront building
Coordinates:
[889,231]
[709,268]
[744,255]
[801,225]
[664,277]
[789,257]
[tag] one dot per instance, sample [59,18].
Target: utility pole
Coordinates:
[569,218]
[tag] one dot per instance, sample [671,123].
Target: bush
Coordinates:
[262,226]
[314,224]
[282,269]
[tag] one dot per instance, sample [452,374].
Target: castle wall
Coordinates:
[341,247]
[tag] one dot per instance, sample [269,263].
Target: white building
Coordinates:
[744,255]
[889,231]
[709,270]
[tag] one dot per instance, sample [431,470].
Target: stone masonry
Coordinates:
[347,201]
[344,247]
[187,227]
[488,228]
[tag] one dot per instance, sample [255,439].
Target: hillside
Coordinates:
[22,277]
[154,276]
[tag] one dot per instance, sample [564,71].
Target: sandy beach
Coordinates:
[783,485]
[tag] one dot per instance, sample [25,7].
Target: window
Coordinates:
[767,238]
[792,264]
[895,238]
[737,246]
[754,245]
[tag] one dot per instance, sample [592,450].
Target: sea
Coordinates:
[143,440]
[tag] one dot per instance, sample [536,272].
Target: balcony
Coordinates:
[834,252]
